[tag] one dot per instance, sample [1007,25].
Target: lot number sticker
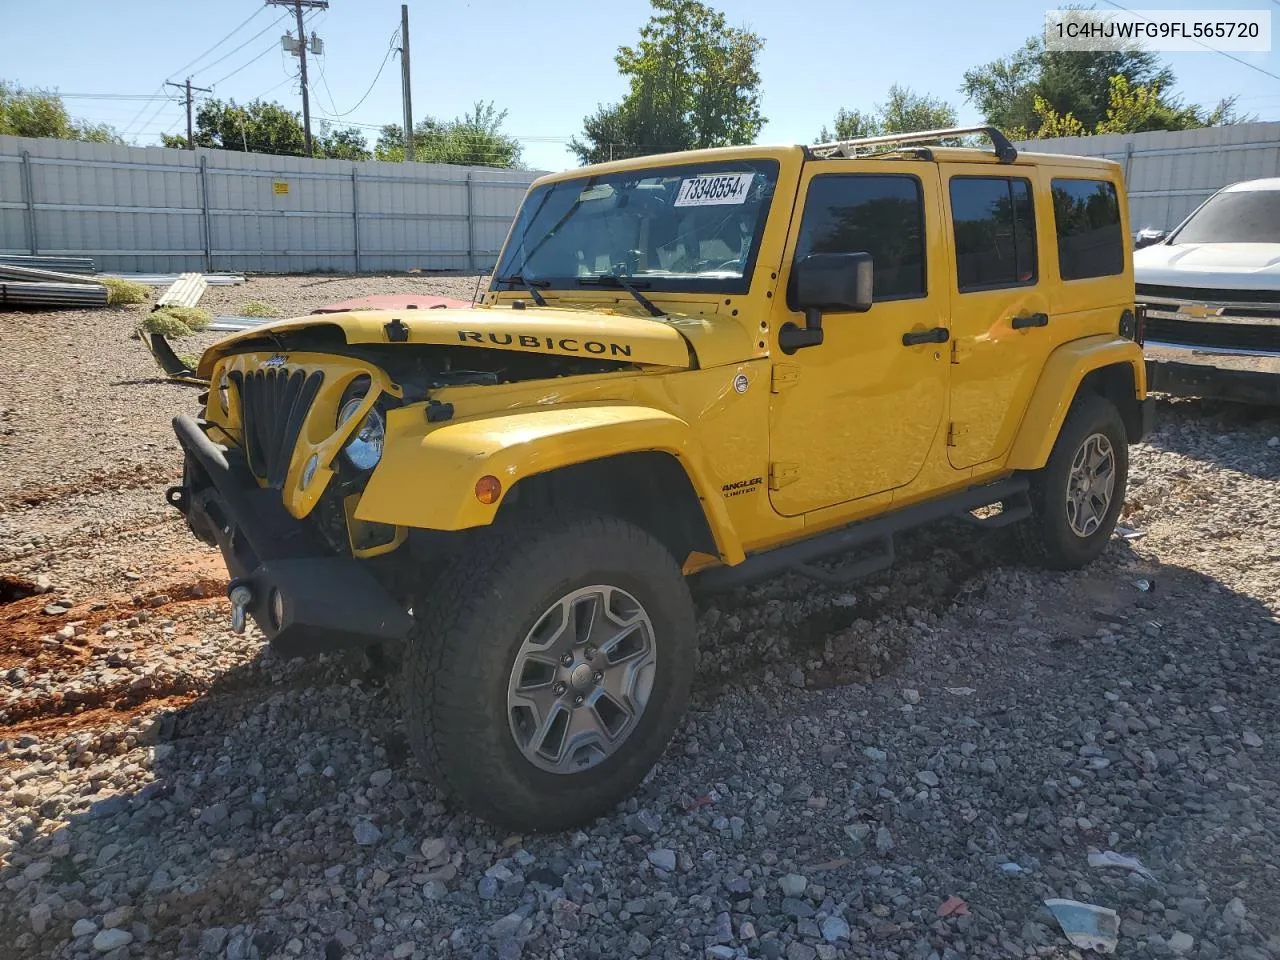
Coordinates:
[715,189]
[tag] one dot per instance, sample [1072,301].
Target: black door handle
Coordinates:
[936,335]
[1030,320]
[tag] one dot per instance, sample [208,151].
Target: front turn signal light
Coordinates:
[488,489]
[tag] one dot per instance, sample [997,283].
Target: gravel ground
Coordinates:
[906,769]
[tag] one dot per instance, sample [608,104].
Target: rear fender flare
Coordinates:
[1059,383]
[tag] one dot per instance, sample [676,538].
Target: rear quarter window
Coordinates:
[1086,216]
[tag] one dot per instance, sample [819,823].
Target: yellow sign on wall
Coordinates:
[280,187]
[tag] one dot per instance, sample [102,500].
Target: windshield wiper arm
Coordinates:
[621,282]
[529,284]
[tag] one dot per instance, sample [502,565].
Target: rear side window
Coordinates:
[869,213]
[1090,241]
[995,232]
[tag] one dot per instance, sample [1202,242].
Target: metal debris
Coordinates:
[232,324]
[165,279]
[42,262]
[186,291]
[15,272]
[24,294]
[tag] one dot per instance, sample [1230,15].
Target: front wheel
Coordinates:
[1076,498]
[548,669]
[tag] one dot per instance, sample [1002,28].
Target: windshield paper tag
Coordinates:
[715,189]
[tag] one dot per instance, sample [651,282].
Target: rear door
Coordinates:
[1093,262]
[1001,326]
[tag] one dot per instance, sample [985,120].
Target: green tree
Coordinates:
[474,139]
[261,127]
[904,111]
[39,113]
[694,82]
[1130,109]
[1033,88]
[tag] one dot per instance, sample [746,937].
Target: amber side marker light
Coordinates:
[488,489]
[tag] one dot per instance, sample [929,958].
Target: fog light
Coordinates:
[488,489]
[309,471]
[276,608]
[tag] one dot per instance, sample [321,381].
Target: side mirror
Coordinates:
[825,282]
[1149,236]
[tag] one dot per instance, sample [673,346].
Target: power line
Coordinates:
[242,25]
[1246,63]
[336,113]
[231,53]
[160,89]
[244,65]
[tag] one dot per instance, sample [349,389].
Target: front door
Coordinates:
[1001,327]
[857,414]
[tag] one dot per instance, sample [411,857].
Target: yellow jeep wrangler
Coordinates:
[689,372]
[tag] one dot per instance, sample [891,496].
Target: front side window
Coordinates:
[1086,214]
[995,232]
[869,213]
[691,227]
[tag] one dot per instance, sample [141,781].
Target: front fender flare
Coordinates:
[1060,379]
[427,478]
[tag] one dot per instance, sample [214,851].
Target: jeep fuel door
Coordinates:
[1001,327]
[857,414]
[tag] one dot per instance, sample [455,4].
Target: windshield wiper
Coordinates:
[529,284]
[622,283]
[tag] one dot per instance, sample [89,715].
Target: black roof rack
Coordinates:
[1005,151]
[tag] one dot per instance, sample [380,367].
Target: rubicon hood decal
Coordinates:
[577,333]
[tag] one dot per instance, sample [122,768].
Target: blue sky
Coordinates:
[547,64]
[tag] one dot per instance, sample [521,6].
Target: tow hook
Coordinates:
[241,596]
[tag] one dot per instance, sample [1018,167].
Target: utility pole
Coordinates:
[301,51]
[191,143]
[404,82]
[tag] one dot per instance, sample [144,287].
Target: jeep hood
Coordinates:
[678,342]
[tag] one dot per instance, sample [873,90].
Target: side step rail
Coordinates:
[800,556]
[847,573]
[1014,509]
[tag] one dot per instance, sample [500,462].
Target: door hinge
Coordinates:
[783,473]
[784,375]
[954,432]
[958,352]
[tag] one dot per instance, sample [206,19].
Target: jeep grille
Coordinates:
[274,404]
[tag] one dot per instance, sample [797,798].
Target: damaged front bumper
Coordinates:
[305,598]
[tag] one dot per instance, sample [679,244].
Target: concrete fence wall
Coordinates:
[153,209]
[1170,174]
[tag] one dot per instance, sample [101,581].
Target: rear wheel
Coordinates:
[548,669]
[1076,498]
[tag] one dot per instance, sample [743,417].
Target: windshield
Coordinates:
[692,227]
[1238,216]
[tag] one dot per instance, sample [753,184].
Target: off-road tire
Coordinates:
[469,627]
[1046,538]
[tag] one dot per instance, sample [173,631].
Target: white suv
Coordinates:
[1212,295]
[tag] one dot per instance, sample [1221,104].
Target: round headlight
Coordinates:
[364,449]
[224,395]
